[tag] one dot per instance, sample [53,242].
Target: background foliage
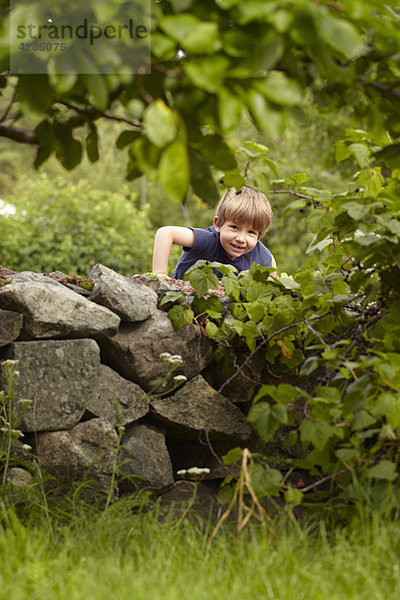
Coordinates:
[58,225]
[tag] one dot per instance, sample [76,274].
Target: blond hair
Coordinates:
[245,206]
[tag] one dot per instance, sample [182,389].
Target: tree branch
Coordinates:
[22,136]
[291,192]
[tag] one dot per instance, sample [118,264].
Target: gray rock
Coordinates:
[144,455]
[117,400]
[86,452]
[129,300]
[21,485]
[135,350]
[26,276]
[243,386]
[53,311]
[197,407]
[58,376]
[10,326]
[160,285]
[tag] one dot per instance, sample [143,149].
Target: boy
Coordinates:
[241,219]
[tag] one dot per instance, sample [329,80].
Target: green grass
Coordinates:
[120,554]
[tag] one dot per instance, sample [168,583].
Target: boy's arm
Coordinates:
[164,238]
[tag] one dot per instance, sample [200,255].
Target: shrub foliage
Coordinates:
[335,325]
[61,226]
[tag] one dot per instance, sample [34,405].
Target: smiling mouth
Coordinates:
[237,247]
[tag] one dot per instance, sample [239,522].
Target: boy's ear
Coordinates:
[216,224]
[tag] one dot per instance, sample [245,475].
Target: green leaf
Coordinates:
[309,366]
[342,151]
[361,153]
[293,496]
[267,418]
[180,316]
[390,155]
[230,106]
[265,482]
[92,148]
[228,270]
[356,393]
[268,119]
[339,34]
[35,92]
[174,169]
[207,73]
[279,89]
[316,433]
[232,456]
[126,138]
[68,150]
[202,39]
[234,179]
[387,405]
[162,46]
[45,135]
[211,329]
[256,311]
[203,280]
[147,157]
[356,210]
[385,470]
[160,124]
[362,420]
[97,88]
[202,178]
[232,287]
[178,26]
[348,455]
[217,152]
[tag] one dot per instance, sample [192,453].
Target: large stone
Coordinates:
[240,387]
[86,452]
[53,311]
[117,400]
[10,326]
[128,299]
[59,377]
[144,457]
[198,407]
[135,350]
[159,285]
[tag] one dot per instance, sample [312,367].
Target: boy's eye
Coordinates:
[251,232]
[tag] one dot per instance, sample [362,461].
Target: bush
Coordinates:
[55,225]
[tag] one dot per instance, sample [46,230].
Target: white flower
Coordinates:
[165,355]
[25,401]
[198,471]
[194,471]
[17,433]
[177,358]
[26,447]
[10,363]
[179,378]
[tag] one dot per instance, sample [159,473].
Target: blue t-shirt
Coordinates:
[207,247]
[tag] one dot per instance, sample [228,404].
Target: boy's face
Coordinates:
[236,238]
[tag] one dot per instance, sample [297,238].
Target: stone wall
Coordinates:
[90,363]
